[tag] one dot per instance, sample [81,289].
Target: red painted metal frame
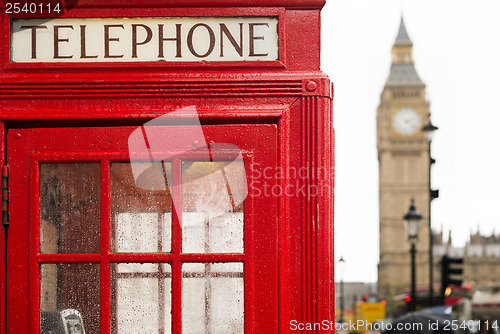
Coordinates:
[56,145]
[3,244]
[292,94]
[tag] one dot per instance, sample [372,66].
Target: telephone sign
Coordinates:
[145,39]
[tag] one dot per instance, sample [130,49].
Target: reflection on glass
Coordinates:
[212,217]
[212,298]
[141,298]
[69,292]
[141,216]
[70,208]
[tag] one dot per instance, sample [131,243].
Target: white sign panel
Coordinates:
[144,39]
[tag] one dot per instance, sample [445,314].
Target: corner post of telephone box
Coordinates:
[318,158]
[3,231]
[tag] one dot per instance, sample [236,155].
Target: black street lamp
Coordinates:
[341,267]
[428,130]
[412,224]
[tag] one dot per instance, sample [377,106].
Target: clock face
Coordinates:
[406,121]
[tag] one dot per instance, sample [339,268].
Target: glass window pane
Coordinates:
[222,234]
[69,296]
[212,298]
[142,232]
[141,208]
[213,195]
[70,208]
[141,298]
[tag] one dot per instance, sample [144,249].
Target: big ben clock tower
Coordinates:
[403,154]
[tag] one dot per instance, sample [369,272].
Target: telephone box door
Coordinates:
[158,229]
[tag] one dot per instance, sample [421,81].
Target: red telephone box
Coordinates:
[167,168]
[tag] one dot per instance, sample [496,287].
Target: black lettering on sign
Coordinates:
[33,38]
[83,42]
[177,40]
[134,37]
[108,39]
[225,31]
[211,36]
[57,40]
[252,38]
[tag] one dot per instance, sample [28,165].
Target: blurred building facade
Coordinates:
[481,256]
[403,154]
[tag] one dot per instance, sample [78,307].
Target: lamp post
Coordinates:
[341,267]
[412,223]
[428,130]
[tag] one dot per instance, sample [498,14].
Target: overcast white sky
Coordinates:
[457,54]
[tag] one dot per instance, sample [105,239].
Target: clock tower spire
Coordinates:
[403,69]
[403,169]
